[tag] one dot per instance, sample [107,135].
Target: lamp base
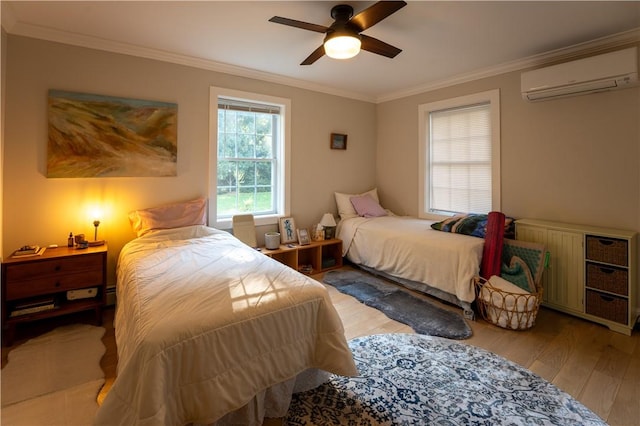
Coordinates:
[96,243]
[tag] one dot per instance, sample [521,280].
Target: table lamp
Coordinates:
[95,241]
[329,224]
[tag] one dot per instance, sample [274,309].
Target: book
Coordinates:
[27,251]
[33,305]
[32,310]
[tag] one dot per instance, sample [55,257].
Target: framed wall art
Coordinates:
[338,141]
[105,136]
[288,230]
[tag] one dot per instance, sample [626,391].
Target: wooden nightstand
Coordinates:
[319,256]
[61,281]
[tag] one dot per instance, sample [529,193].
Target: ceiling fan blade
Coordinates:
[299,24]
[374,45]
[317,54]
[376,13]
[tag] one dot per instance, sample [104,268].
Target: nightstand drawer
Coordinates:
[607,250]
[614,280]
[53,267]
[53,284]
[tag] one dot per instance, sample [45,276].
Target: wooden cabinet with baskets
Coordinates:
[592,273]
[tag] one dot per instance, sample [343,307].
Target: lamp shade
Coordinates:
[328,220]
[341,46]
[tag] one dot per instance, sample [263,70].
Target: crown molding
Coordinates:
[79,40]
[12,26]
[563,54]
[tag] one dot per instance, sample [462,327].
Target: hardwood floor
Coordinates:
[598,367]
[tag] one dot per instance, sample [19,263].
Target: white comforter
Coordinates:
[408,248]
[204,323]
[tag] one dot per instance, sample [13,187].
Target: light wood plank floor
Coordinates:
[598,367]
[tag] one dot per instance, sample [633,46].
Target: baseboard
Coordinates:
[111,296]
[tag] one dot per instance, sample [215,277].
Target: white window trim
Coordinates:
[491,96]
[283,202]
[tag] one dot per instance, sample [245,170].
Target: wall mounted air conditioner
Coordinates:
[609,71]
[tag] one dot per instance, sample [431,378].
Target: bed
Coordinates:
[408,250]
[211,331]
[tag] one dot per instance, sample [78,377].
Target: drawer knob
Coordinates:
[57,283]
[58,267]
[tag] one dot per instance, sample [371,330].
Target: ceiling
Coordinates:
[442,42]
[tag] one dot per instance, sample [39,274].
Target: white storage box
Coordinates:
[84,293]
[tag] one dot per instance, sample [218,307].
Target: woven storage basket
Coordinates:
[608,250]
[505,309]
[511,310]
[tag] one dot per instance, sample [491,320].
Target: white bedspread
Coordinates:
[409,248]
[204,323]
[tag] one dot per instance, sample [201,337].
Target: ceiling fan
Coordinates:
[343,38]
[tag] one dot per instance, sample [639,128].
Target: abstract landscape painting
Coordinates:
[102,136]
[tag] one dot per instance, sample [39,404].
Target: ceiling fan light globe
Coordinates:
[342,47]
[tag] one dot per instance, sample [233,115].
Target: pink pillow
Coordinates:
[169,216]
[366,206]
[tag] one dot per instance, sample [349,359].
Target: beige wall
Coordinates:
[3,80]
[574,160]
[43,211]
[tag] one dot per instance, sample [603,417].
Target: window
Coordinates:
[459,154]
[249,157]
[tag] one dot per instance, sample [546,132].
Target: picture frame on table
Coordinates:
[303,237]
[338,141]
[288,232]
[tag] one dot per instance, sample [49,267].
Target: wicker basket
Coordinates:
[515,311]
[607,250]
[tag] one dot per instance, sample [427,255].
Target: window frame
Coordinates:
[492,97]
[283,168]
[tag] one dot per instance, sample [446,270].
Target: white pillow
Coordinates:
[345,208]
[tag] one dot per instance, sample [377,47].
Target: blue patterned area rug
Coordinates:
[411,379]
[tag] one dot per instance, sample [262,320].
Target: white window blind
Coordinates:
[460,155]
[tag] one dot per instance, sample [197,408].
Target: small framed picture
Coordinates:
[303,237]
[288,230]
[338,141]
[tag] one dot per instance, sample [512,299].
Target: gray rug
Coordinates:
[421,315]
[409,379]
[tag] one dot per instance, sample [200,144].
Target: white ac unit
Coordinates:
[609,71]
